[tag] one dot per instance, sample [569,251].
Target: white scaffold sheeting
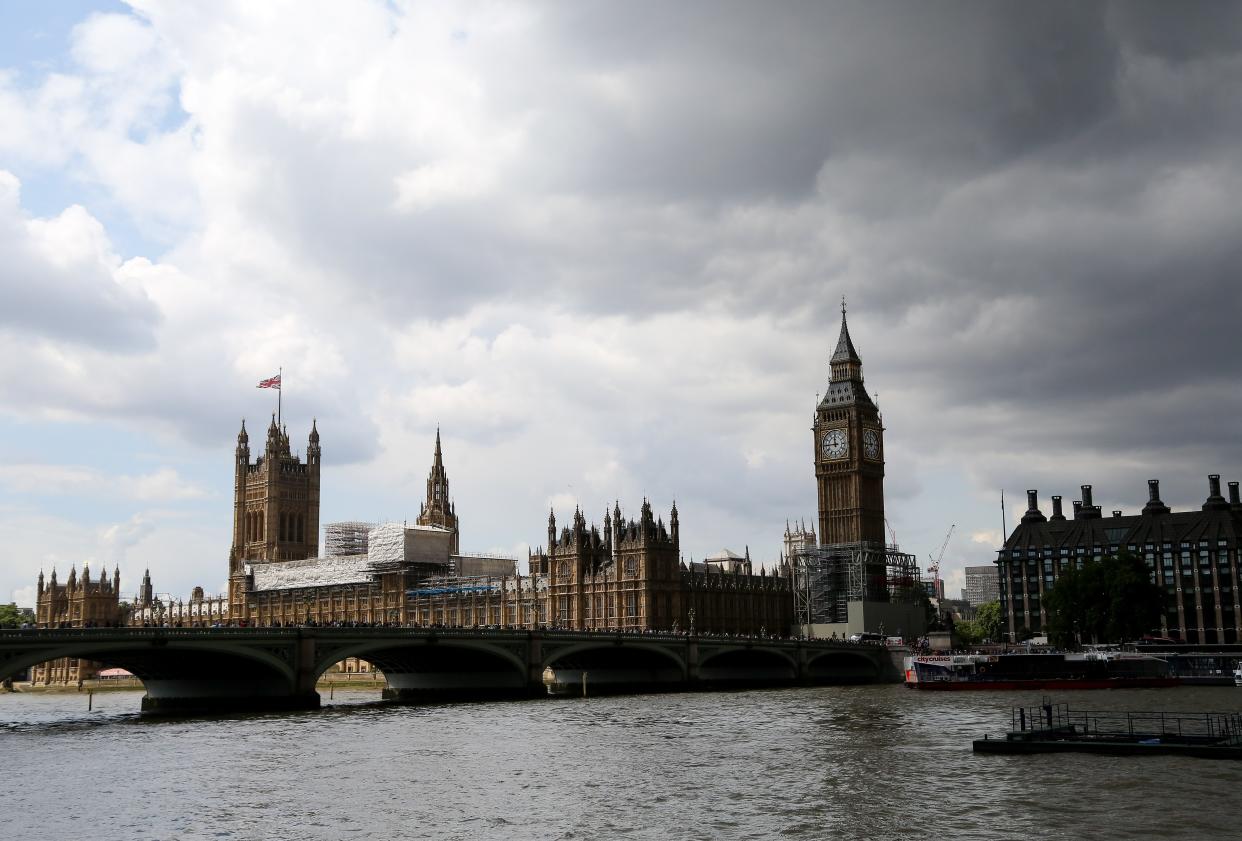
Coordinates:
[391,544]
[312,572]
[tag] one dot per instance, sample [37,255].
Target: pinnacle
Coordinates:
[845,351]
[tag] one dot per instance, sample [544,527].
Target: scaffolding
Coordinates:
[828,578]
[346,538]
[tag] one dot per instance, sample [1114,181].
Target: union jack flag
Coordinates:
[270,382]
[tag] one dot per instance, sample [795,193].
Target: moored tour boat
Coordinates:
[1036,671]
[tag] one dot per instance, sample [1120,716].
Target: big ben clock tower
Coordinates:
[849,454]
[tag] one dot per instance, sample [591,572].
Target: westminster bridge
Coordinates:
[193,670]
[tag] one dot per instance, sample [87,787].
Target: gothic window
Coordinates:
[562,569]
[631,605]
[564,609]
[631,567]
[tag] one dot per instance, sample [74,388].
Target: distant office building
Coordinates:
[982,585]
[1192,554]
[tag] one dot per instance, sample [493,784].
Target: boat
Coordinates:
[1054,728]
[1090,670]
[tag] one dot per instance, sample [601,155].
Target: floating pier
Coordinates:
[1054,728]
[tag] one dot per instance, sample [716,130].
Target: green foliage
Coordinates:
[1111,600]
[989,620]
[12,616]
[968,631]
[985,626]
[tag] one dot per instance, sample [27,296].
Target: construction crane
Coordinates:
[934,569]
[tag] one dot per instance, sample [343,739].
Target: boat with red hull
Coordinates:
[960,672]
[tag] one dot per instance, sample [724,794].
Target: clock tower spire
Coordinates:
[849,452]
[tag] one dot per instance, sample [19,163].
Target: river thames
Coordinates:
[866,762]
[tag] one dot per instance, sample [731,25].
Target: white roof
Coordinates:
[311,572]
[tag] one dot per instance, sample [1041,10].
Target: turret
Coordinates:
[39,586]
[116,579]
[674,528]
[551,528]
[273,436]
[312,445]
[72,583]
[146,595]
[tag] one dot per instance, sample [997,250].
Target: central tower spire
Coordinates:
[438,509]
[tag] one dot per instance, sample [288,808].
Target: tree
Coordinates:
[12,616]
[1110,600]
[988,620]
[968,631]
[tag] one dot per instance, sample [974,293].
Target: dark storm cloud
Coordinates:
[1030,204]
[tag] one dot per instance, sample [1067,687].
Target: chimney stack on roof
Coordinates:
[1154,505]
[1234,501]
[1056,509]
[1215,501]
[1033,514]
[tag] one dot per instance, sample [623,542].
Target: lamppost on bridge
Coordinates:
[691,617]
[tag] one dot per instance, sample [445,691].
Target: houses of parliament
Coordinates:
[624,573]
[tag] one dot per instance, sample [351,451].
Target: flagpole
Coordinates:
[280,382]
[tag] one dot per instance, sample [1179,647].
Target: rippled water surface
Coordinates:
[873,762]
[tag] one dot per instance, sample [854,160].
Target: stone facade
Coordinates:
[78,603]
[276,504]
[629,576]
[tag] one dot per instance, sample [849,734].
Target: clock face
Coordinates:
[871,444]
[834,444]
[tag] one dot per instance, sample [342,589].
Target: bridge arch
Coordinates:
[608,666]
[403,652]
[435,667]
[757,652]
[154,662]
[841,665]
[606,650]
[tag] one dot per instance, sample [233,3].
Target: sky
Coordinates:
[603,247]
